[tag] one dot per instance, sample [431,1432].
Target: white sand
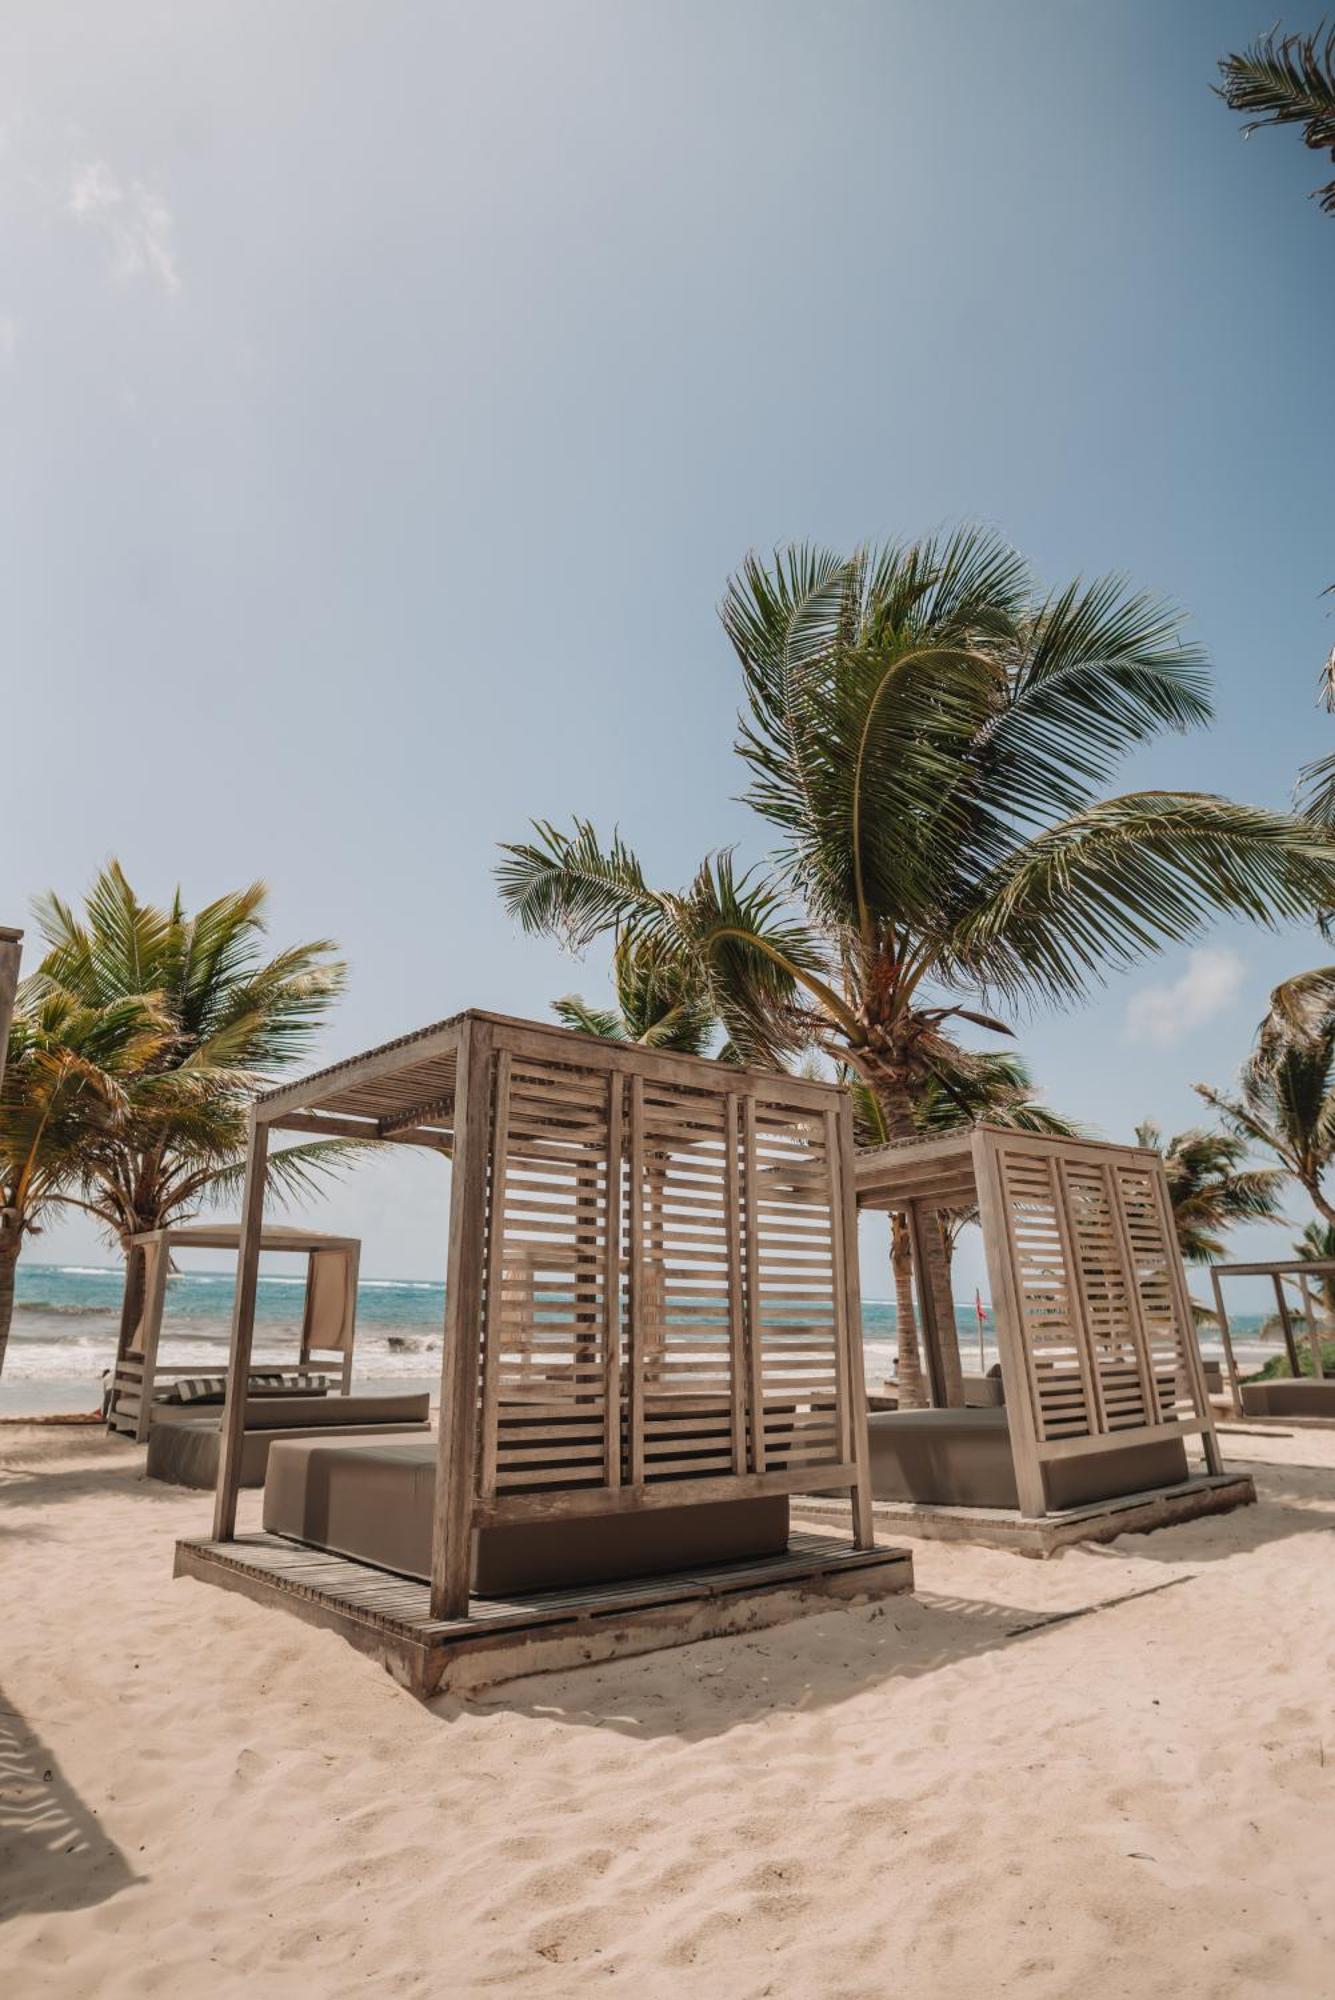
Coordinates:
[918,1800]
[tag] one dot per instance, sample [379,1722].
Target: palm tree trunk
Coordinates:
[911,1386]
[893,1096]
[10,1240]
[1318,1200]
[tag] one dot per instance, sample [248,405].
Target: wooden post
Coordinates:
[1177,1277]
[354,1273]
[612,1444]
[452,1525]
[1313,1331]
[243,1333]
[854,1443]
[931,1332]
[1286,1322]
[637,1304]
[493,1335]
[1230,1359]
[751,1284]
[738,1364]
[155,1297]
[1021,1403]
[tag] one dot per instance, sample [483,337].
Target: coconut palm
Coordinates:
[1210,1187]
[235,1019]
[995,1086]
[658,1005]
[1287,80]
[64,1083]
[1284,1101]
[928,735]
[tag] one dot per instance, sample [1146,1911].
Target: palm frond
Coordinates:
[1287,80]
[1118,881]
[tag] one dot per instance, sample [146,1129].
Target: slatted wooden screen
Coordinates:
[1096,1290]
[666,1292]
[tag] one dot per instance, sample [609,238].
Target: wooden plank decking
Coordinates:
[1099,1521]
[389,1617]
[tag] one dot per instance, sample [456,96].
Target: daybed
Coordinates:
[964,1458]
[1296,1399]
[372,1500]
[184,1442]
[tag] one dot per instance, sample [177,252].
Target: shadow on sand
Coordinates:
[53,1853]
[798,1669]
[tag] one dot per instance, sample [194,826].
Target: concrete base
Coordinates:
[1007,1528]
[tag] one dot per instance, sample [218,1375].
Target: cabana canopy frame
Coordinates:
[651,1287]
[1300,1270]
[1094,1325]
[329,1307]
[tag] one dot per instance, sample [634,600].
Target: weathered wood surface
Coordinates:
[389,1616]
[1101,1521]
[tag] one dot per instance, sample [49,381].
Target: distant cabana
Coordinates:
[1101,1381]
[651,1341]
[1297,1398]
[328,1315]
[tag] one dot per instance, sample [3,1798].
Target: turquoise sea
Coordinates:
[66,1318]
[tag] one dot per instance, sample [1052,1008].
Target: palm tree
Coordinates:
[1285,1095]
[234,1019]
[1287,80]
[1210,1188]
[928,735]
[63,1083]
[657,1005]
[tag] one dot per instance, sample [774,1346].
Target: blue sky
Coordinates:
[388,391]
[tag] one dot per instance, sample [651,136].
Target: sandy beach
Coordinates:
[971,1791]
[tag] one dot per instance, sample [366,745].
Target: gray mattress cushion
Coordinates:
[1284,1397]
[962,1458]
[327,1412]
[372,1501]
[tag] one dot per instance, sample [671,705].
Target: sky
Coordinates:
[388,391]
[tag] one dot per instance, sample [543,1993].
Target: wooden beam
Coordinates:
[366,1131]
[452,1525]
[243,1333]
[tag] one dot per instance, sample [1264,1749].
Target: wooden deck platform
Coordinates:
[1007,1528]
[387,1615]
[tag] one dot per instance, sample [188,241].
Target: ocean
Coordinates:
[66,1318]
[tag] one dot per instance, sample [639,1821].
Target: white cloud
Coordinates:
[9,338]
[1162,1015]
[135,223]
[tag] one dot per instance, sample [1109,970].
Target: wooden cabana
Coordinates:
[328,1314]
[1297,1398]
[1101,1373]
[651,1312]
